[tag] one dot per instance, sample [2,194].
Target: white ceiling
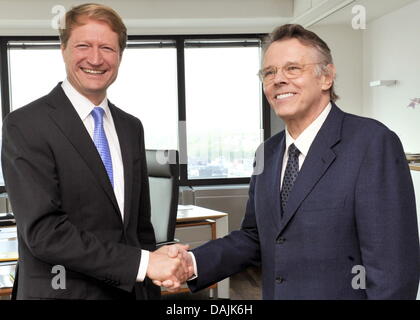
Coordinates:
[196,16]
[157,16]
[156,9]
[374,10]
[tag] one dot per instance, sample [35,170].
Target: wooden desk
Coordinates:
[414,166]
[191,223]
[5,292]
[193,213]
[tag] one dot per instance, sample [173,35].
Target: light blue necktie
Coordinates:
[101,142]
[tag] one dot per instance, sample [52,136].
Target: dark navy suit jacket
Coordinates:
[352,208]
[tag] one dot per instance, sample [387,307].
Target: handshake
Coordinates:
[170,266]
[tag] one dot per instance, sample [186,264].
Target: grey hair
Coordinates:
[308,38]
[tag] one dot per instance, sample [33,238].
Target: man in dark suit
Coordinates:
[332,215]
[76,176]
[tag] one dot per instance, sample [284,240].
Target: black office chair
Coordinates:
[163,171]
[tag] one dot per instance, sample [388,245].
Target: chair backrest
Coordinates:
[163,171]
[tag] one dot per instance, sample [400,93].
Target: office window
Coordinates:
[210,85]
[146,87]
[223,108]
[35,69]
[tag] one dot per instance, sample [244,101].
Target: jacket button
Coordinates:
[280,240]
[280,279]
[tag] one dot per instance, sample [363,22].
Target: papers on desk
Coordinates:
[11,253]
[7,274]
[8,257]
[184,207]
[8,233]
[8,244]
[8,250]
[183,210]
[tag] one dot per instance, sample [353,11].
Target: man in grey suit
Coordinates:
[332,215]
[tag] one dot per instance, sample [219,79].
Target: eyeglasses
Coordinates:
[290,71]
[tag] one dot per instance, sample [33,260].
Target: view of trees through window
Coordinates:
[223,105]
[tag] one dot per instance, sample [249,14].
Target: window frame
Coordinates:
[180,41]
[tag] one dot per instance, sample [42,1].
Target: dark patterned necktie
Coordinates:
[290,174]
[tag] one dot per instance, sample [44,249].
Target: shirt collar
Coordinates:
[82,104]
[305,139]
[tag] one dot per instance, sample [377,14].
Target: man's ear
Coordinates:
[328,77]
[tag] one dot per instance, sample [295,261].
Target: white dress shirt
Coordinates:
[84,108]
[303,143]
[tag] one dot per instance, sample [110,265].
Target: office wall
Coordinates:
[391,48]
[346,47]
[302,6]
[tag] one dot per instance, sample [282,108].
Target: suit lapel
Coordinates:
[272,170]
[124,139]
[69,122]
[317,162]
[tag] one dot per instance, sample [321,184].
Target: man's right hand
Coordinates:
[170,266]
[177,251]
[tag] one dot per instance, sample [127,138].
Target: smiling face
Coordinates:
[300,100]
[92,57]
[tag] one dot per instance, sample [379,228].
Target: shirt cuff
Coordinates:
[144,262]
[195,275]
